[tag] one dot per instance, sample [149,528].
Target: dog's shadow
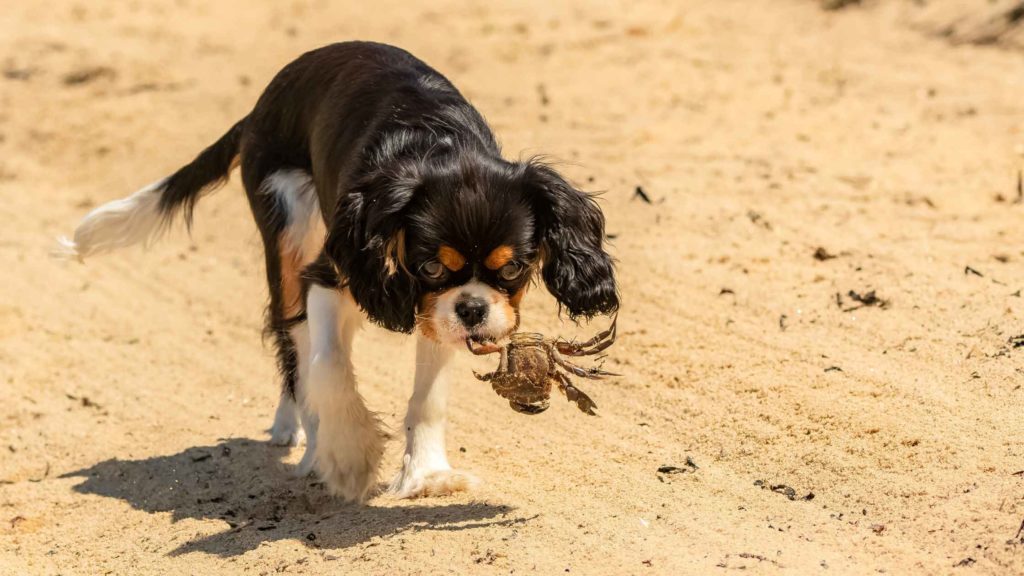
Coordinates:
[242,483]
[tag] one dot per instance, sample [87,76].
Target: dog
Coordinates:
[379,193]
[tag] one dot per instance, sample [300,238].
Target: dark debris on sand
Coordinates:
[867,299]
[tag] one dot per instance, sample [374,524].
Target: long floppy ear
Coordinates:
[366,242]
[576,268]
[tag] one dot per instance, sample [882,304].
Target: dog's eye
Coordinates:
[433,270]
[510,271]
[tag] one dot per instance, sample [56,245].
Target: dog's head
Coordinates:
[451,245]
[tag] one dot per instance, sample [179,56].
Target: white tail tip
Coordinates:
[136,219]
[66,250]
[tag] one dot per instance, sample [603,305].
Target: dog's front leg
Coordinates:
[349,441]
[425,468]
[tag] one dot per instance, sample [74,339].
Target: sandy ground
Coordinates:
[136,390]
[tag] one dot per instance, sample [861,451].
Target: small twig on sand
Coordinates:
[639,193]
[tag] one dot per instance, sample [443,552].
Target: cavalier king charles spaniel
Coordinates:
[379,191]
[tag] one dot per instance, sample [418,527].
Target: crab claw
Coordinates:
[579,397]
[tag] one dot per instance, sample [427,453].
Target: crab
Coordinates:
[530,364]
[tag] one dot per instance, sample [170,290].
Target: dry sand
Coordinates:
[136,390]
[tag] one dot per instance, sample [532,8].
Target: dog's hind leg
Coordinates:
[286,209]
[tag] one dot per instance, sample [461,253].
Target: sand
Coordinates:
[137,392]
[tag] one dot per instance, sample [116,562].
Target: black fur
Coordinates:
[364,242]
[210,169]
[577,270]
[474,204]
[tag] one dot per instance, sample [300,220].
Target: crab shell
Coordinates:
[526,381]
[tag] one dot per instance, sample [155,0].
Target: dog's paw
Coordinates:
[286,435]
[306,466]
[286,430]
[347,457]
[417,482]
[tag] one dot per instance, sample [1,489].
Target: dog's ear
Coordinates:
[366,242]
[576,269]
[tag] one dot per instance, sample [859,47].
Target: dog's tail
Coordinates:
[142,217]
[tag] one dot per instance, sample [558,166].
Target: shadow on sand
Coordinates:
[243,483]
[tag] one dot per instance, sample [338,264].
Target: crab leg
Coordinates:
[592,373]
[574,394]
[570,349]
[490,349]
[596,344]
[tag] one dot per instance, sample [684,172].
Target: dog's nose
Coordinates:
[471,311]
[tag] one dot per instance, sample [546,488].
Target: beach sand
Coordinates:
[826,436]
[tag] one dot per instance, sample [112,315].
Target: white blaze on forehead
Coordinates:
[449,327]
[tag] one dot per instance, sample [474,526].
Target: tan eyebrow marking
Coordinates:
[499,257]
[451,258]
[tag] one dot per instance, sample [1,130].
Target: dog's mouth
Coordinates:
[478,343]
[482,345]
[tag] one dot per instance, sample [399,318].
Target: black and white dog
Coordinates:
[379,190]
